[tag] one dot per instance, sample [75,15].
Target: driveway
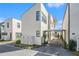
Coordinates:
[55,50]
[10,50]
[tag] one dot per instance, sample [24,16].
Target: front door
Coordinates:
[45,37]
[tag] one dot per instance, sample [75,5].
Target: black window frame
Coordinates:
[38,14]
[8,25]
[18,25]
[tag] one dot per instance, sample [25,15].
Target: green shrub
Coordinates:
[18,42]
[72,45]
[2,40]
[65,44]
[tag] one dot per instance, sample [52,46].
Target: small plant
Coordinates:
[65,44]
[72,45]
[18,42]
[2,40]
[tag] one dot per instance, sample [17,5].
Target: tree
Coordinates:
[55,22]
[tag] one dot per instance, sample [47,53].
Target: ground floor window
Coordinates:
[18,35]
[37,33]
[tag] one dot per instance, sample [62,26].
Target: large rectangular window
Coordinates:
[37,15]
[44,19]
[18,25]
[37,33]
[7,25]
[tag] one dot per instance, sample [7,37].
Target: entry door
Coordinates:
[45,38]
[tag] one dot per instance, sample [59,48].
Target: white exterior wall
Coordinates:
[12,28]
[30,25]
[52,26]
[15,29]
[74,19]
[65,24]
[8,30]
[74,22]
[43,25]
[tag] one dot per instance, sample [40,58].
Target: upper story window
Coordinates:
[18,25]
[7,25]
[37,15]
[2,27]
[44,19]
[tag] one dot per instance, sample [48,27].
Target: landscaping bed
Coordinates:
[4,40]
[76,53]
[25,46]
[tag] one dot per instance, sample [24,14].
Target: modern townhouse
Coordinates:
[10,29]
[1,29]
[34,25]
[71,22]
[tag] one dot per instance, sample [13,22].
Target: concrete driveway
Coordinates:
[55,50]
[10,50]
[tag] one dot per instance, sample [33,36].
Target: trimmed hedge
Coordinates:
[18,42]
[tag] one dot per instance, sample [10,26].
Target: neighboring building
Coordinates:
[11,29]
[51,27]
[65,25]
[1,29]
[71,22]
[34,23]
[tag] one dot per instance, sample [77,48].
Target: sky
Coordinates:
[15,10]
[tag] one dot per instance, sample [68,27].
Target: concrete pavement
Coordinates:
[10,50]
[55,50]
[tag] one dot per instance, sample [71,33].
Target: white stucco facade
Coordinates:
[11,28]
[65,25]
[30,25]
[51,23]
[74,22]
[72,12]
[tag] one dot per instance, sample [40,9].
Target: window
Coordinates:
[37,15]
[7,25]
[44,19]
[38,33]
[73,33]
[18,25]
[18,35]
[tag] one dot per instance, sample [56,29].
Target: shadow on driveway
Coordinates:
[55,50]
[8,48]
